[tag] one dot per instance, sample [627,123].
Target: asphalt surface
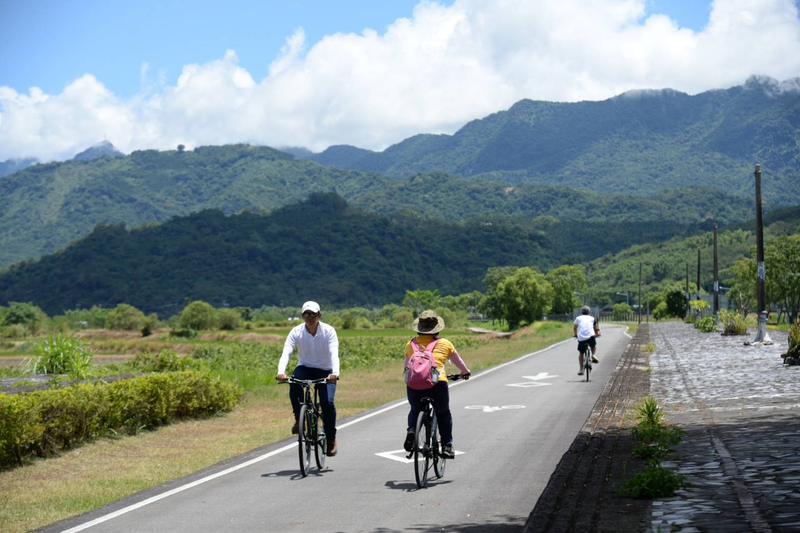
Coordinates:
[512,424]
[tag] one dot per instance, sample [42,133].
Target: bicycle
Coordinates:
[427,450]
[310,430]
[587,360]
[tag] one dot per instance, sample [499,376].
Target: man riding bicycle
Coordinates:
[317,357]
[586,329]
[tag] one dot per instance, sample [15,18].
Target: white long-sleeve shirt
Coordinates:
[315,351]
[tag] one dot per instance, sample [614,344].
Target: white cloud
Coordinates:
[432,72]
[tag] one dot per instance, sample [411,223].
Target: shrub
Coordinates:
[228,319]
[42,422]
[150,323]
[187,333]
[165,361]
[125,317]
[732,323]
[661,311]
[197,315]
[62,354]
[707,324]
[654,482]
[14,331]
[24,314]
[622,311]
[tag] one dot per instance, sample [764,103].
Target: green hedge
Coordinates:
[42,422]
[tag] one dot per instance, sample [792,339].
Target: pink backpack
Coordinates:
[421,372]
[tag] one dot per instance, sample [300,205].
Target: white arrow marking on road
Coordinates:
[490,409]
[400,456]
[536,381]
[540,375]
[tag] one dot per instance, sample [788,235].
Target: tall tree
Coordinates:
[525,296]
[566,281]
[783,272]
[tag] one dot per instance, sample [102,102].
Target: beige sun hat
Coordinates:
[428,323]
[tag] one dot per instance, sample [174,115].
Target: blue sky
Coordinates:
[49,43]
[152,74]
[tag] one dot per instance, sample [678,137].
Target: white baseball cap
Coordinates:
[310,306]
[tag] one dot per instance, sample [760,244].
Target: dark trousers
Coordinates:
[440,394]
[326,393]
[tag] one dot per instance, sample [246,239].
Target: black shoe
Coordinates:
[408,445]
[295,429]
[448,452]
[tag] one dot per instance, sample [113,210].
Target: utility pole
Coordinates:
[640,292]
[761,336]
[698,280]
[687,288]
[716,278]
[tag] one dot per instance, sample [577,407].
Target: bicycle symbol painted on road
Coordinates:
[491,409]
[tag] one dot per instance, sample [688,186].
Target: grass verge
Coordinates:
[84,479]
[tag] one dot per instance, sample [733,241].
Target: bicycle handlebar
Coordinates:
[308,382]
[456,377]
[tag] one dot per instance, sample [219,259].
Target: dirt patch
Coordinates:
[243,337]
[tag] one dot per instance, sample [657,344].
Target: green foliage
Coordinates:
[43,422]
[661,311]
[623,311]
[23,314]
[420,300]
[62,354]
[732,323]
[566,280]
[184,333]
[653,482]
[125,317]
[706,324]
[656,441]
[166,361]
[198,315]
[524,296]
[228,318]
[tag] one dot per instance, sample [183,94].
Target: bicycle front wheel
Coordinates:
[422,452]
[303,440]
[439,462]
[320,442]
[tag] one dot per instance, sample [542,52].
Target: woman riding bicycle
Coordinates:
[427,326]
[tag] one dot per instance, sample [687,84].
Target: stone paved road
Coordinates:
[741,453]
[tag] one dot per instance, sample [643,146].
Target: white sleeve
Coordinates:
[333,348]
[288,347]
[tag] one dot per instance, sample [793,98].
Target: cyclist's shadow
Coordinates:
[295,474]
[411,486]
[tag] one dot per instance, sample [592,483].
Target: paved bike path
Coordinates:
[512,425]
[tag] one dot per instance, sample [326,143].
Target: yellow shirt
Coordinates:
[441,352]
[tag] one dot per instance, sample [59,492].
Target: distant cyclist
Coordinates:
[317,357]
[586,329]
[427,326]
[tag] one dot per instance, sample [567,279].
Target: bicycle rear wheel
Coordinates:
[303,440]
[587,364]
[422,452]
[439,462]
[320,443]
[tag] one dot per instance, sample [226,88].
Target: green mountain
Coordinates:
[103,149]
[44,207]
[446,196]
[666,261]
[321,249]
[638,142]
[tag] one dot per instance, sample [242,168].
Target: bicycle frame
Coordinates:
[311,431]
[427,451]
